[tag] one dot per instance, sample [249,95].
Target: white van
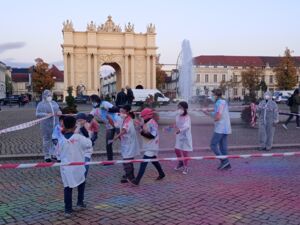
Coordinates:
[140,95]
[282,96]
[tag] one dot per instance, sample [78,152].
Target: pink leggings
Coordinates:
[181,153]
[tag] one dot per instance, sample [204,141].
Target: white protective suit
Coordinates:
[268,117]
[44,108]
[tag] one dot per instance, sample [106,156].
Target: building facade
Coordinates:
[131,54]
[3,70]
[210,71]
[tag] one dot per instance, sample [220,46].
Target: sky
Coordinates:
[32,28]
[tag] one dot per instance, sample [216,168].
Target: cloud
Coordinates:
[59,64]
[11,45]
[15,64]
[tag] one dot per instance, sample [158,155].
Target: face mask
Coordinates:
[267,97]
[95,104]
[180,112]
[123,115]
[49,98]
[213,98]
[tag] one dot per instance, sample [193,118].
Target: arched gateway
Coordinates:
[133,55]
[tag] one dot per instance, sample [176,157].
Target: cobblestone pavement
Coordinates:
[28,141]
[255,191]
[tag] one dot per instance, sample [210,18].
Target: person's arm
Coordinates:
[276,113]
[185,127]
[218,114]
[122,132]
[86,145]
[110,120]
[39,112]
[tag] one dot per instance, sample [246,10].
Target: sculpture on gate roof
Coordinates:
[91,26]
[68,26]
[151,28]
[129,27]
[109,26]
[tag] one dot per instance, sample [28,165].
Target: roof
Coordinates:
[20,77]
[58,74]
[257,61]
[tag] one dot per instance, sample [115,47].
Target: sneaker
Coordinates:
[185,170]
[262,149]
[48,160]
[284,126]
[179,166]
[124,180]
[160,177]
[134,182]
[81,206]
[68,213]
[224,166]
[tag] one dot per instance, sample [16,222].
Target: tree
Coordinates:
[285,72]
[8,84]
[70,100]
[41,76]
[251,80]
[160,77]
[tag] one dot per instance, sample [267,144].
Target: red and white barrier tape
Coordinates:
[44,165]
[23,125]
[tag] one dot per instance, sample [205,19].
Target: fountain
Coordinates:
[185,69]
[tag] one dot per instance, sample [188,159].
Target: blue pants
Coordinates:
[219,145]
[87,167]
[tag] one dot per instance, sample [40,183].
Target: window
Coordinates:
[235,78]
[235,91]
[215,78]
[198,78]
[271,79]
[206,78]
[223,77]
[243,91]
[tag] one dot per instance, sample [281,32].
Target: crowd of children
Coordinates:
[74,138]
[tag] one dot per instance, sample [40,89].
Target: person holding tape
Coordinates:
[268,117]
[45,108]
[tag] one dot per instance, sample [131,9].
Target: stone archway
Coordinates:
[85,52]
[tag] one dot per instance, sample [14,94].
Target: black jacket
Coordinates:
[121,99]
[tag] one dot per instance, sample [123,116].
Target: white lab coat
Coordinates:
[184,138]
[73,150]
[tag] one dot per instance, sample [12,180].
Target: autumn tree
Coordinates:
[41,76]
[285,72]
[251,80]
[160,77]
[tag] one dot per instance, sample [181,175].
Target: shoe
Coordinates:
[48,160]
[179,166]
[81,206]
[284,126]
[262,149]
[124,181]
[160,177]
[225,166]
[68,214]
[185,170]
[134,182]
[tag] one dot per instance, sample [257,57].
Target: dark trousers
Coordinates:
[143,167]
[290,118]
[110,133]
[129,169]
[68,196]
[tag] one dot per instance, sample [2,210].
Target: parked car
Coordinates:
[140,95]
[13,99]
[82,99]
[282,96]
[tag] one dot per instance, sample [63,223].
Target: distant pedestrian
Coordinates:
[293,103]
[129,143]
[150,137]
[73,149]
[184,143]
[268,117]
[222,128]
[253,114]
[130,96]
[121,98]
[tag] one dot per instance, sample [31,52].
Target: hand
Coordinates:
[110,141]
[58,113]
[177,131]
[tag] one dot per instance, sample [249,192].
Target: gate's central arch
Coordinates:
[85,51]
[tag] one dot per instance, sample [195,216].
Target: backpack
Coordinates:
[290,101]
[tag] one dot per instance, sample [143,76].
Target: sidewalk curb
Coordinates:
[162,151]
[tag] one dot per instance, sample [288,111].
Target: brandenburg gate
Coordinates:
[131,54]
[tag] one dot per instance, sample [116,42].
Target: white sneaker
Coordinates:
[185,170]
[179,167]
[284,126]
